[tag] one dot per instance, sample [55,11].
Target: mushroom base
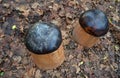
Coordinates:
[49,61]
[82,37]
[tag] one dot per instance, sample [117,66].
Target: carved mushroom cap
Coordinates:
[94,22]
[43,38]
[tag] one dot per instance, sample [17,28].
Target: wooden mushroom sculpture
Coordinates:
[91,25]
[44,40]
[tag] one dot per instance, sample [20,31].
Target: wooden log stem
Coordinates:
[49,61]
[82,37]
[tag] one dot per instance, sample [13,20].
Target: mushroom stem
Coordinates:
[49,61]
[83,38]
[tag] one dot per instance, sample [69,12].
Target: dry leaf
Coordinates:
[55,7]
[35,5]
[23,8]
[29,73]
[77,68]
[38,74]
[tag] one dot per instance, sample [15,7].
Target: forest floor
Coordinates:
[17,16]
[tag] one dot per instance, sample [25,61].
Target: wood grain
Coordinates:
[49,61]
[83,38]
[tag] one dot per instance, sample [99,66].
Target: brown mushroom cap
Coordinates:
[94,22]
[43,38]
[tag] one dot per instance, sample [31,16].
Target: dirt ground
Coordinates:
[17,16]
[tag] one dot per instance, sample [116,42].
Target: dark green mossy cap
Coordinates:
[43,38]
[94,22]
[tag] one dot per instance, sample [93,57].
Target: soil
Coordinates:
[17,16]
